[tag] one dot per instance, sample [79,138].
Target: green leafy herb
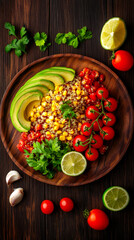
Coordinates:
[46,156]
[41,40]
[19,45]
[67,111]
[71,39]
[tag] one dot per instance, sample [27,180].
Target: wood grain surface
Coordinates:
[25,221]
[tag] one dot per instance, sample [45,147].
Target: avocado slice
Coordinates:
[63,68]
[67,75]
[15,107]
[21,115]
[47,83]
[55,78]
[35,87]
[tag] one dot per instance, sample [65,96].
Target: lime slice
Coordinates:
[113,34]
[73,163]
[115,198]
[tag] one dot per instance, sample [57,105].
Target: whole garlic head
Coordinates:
[16,196]
[12,176]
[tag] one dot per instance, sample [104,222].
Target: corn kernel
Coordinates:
[82,92]
[53,109]
[34,109]
[73,87]
[71,132]
[36,106]
[55,114]
[83,121]
[56,128]
[31,114]
[57,119]
[86,97]
[43,99]
[65,134]
[58,98]
[82,116]
[69,138]
[56,123]
[79,124]
[61,125]
[40,109]
[62,138]
[48,133]
[57,88]
[78,92]
[75,103]
[49,114]
[73,90]
[59,132]
[47,97]
[60,88]
[79,97]
[37,114]
[44,114]
[32,119]
[55,92]
[44,104]
[52,135]
[65,93]
[45,125]
[79,129]
[63,121]
[48,120]
[51,117]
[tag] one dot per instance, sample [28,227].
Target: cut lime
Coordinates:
[115,198]
[73,163]
[113,34]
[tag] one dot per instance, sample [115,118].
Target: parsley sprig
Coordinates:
[19,45]
[46,156]
[71,39]
[41,40]
[67,111]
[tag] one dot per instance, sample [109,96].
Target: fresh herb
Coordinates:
[17,44]
[67,111]
[41,40]
[71,39]
[46,156]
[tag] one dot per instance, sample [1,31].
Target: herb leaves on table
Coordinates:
[41,40]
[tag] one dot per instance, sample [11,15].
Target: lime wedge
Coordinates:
[113,34]
[73,163]
[115,198]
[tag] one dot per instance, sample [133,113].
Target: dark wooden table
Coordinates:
[25,221]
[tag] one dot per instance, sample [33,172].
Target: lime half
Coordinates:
[113,34]
[73,163]
[115,198]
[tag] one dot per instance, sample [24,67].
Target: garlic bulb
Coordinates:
[12,176]
[16,196]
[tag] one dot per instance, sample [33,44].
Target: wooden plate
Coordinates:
[123,127]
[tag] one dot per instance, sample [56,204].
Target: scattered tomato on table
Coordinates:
[47,207]
[66,204]
[122,60]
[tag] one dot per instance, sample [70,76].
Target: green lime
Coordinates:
[115,198]
[113,34]
[73,163]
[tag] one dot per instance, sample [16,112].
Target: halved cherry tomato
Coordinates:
[111,104]
[66,204]
[20,147]
[98,219]
[93,96]
[108,133]
[102,92]
[92,112]
[86,128]
[97,141]
[101,78]
[109,119]
[47,207]
[91,154]
[24,135]
[123,60]
[96,126]
[38,127]
[78,143]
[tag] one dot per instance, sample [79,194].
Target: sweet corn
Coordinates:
[71,132]
[79,97]
[40,109]
[51,117]
[47,97]
[52,135]
[64,93]
[55,92]
[55,114]
[78,92]
[56,128]
[82,116]
[75,103]
[69,138]
[59,132]
[62,138]
[56,123]
[73,87]
[37,114]
[36,106]
[44,104]
[43,99]
[44,114]
[82,92]
[63,121]
[31,114]
[57,88]
[79,124]
[34,109]
[86,97]
[49,114]
[48,133]
[57,119]
[53,108]
[61,125]
[58,98]
[60,88]
[32,119]
[45,125]
[48,120]
[65,134]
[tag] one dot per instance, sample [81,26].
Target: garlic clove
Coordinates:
[16,196]
[12,176]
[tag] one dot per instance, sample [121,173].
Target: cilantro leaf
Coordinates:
[23,32]
[41,41]
[11,28]
[84,34]
[67,111]
[59,38]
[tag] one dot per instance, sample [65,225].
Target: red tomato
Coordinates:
[108,133]
[92,154]
[85,129]
[123,60]
[101,78]
[47,207]
[97,141]
[109,119]
[38,127]
[93,96]
[95,74]
[66,204]
[96,84]
[96,126]
[20,147]
[92,112]
[102,92]
[24,135]
[98,219]
[110,105]
[48,137]
[78,141]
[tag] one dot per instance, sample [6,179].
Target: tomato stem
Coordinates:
[113,56]
[86,213]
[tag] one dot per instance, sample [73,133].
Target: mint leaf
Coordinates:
[11,28]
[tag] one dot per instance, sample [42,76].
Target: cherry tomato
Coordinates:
[93,96]
[87,86]
[91,154]
[98,219]
[48,137]
[42,137]
[96,126]
[24,135]
[109,119]
[38,127]
[95,73]
[102,92]
[101,78]
[20,147]
[92,112]
[97,141]
[66,204]
[108,133]
[85,129]
[110,105]
[77,143]
[96,84]
[123,60]
[47,207]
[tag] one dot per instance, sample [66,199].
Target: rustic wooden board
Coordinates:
[123,128]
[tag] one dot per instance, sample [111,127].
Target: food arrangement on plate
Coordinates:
[60,114]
